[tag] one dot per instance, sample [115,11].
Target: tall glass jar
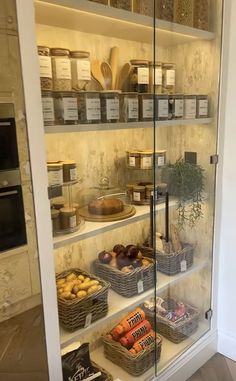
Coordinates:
[139,76]
[110,106]
[183,12]
[176,106]
[146,107]
[201,14]
[168,73]
[190,106]
[61,69]
[48,108]
[129,107]
[165,9]
[89,107]
[66,108]
[161,107]
[202,106]
[80,69]
[45,67]
[155,77]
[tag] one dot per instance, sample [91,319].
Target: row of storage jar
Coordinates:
[61,172]
[145,159]
[72,107]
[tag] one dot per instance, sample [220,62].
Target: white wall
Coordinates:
[227,275]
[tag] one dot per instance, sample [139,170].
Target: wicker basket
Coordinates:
[126,284]
[175,332]
[103,371]
[133,364]
[73,313]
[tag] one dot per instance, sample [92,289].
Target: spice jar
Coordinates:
[190,106]
[76,207]
[201,14]
[183,12]
[202,106]
[61,69]
[133,159]
[89,107]
[160,158]
[122,4]
[55,220]
[145,7]
[45,67]
[155,77]
[176,106]
[69,171]
[146,159]
[66,108]
[168,83]
[80,69]
[139,194]
[139,76]
[58,203]
[68,218]
[54,174]
[146,107]
[165,9]
[129,108]
[110,106]
[162,107]
[48,108]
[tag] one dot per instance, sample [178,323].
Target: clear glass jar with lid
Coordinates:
[176,106]
[66,108]
[110,106]
[155,77]
[61,69]
[48,108]
[161,107]
[89,107]
[45,67]
[129,107]
[168,73]
[139,76]
[190,106]
[146,107]
[80,69]
[202,106]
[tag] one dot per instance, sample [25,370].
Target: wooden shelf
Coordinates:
[98,19]
[118,304]
[123,126]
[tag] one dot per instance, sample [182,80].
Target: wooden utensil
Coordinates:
[123,76]
[94,85]
[97,73]
[114,61]
[107,75]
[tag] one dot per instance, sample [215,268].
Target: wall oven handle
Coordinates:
[8,193]
[5,123]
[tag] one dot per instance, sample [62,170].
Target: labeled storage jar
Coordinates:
[201,14]
[129,107]
[76,207]
[66,108]
[162,107]
[55,220]
[176,106]
[146,107]
[202,106]
[69,171]
[160,158]
[68,218]
[139,194]
[55,177]
[149,189]
[183,12]
[48,108]
[155,77]
[80,69]
[146,159]
[168,74]
[122,4]
[61,69]
[144,7]
[89,107]
[164,9]
[139,76]
[58,203]
[190,107]
[133,159]
[110,106]
[45,68]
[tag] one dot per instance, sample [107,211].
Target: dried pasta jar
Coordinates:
[168,75]
[202,106]
[145,7]
[133,159]
[122,4]
[129,107]
[190,106]
[48,108]
[45,67]
[146,159]
[139,194]
[55,177]
[66,108]
[164,9]
[201,14]
[161,107]
[61,69]
[155,77]
[69,171]
[146,107]
[183,12]
[89,107]
[80,69]
[139,76]
[110,106]
[176,106]
[68,218]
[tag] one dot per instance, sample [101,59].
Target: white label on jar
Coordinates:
[203,107]
[93,109]
[70,109]
[136,196]
[113,111]
[148,108]
[132,161]
[140,286]
[163,109]
[190,108]
[63,68]
[143,75]
[158,76]
[48,109]
[55,177]
[179,108]
[132,108]
[146,162]
[83,70]
[170,77]
[160,160]
[72,221]
[73,174]
[183,265]
[45,65]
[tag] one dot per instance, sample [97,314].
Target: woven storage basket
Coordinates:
[175,332]
[73,313]
[103,371]
[126,284]
[133,364]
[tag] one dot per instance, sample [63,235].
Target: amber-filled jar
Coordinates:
[139,193]
[68,218]
[133,159]
[139,76]
[69,171]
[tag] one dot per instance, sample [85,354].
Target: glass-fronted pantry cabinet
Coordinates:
[126,97]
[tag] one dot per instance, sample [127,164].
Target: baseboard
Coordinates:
[227,344]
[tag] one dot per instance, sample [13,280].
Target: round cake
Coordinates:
[106,206]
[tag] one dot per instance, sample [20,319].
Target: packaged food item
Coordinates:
[45,67]
[176,106]
[69,171]
[80,69]
[155,77]
[129,107]
[139,76]
[202,106]
[89,107]
[183,12]
[55,176]
[162,107]
[61,69]
[122,4]
[110,106]
[68,218]
[201,14]
[125,325]
[66,108]
[146,107]
[145,7]
[139,193]
[135,334]
[143,343]
[164,9]
[48,108]
[168,74]
[190,106]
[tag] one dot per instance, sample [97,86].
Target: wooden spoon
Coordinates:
[94,85]
[123,76]
[97,73]
[114,61]
[107,75]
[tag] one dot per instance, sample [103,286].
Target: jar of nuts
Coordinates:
[61,69]
[45,68]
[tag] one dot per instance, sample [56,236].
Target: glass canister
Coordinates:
[162,107]
[45,67]
[58,203]
[80,69]
[146,159]
[160,158]
[155,77]
[61,69]
[66,108]
[201,14]
[122,4]
[68,218]
[89,107]
[139,76]
[133,159]
[183,12]
[176,106]
[129,107]
[138,194]
[110,106]
[48,108]
[69,171]
[165,9]
[190,106]
[146,107]
[55,220]
[202,106]
[145,7]
[168,75]
[55,177]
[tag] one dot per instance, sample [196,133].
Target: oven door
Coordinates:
[8,144]
[12,220]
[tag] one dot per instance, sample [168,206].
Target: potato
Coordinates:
[99,287]
[87,279]
[72,296]
[81,277]
[66,295]
[87,285]
[92,289]
[70,277]
[69,286]
[61,290]
[81,294]
[75,289]
[145,262]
